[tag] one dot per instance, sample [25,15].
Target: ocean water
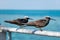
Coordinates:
[36,15]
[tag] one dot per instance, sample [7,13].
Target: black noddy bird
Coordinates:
[19,21]
[40,23]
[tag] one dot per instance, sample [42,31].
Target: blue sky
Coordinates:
[30,4]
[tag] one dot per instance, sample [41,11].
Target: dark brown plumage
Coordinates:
[18,21]
[40,23]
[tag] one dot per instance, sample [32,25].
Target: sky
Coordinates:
[30,4]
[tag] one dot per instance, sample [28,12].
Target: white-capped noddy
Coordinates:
[19,21]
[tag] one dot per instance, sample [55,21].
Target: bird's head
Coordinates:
[48,17]
[26,17]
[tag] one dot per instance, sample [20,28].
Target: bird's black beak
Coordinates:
[53,19]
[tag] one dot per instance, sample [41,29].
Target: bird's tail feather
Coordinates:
[9,21]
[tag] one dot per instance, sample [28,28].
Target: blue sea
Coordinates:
[36,15]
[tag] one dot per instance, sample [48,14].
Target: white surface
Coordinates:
[38,32]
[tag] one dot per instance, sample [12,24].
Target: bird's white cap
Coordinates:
[25,16]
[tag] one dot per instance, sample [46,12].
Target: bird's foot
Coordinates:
[34,31]
[19,28]
[41,30]
[16,29]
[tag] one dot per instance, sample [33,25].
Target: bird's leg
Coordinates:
[17,28]
[34,31]
[21,27]
[41,29]
[24,25]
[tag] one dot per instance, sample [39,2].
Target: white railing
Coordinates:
[27,31]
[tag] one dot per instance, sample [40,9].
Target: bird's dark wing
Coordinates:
[12,21]
[22,20]
[36,23]
[17,21]
[40,22]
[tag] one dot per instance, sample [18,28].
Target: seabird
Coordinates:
[40,23]
[19,21]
